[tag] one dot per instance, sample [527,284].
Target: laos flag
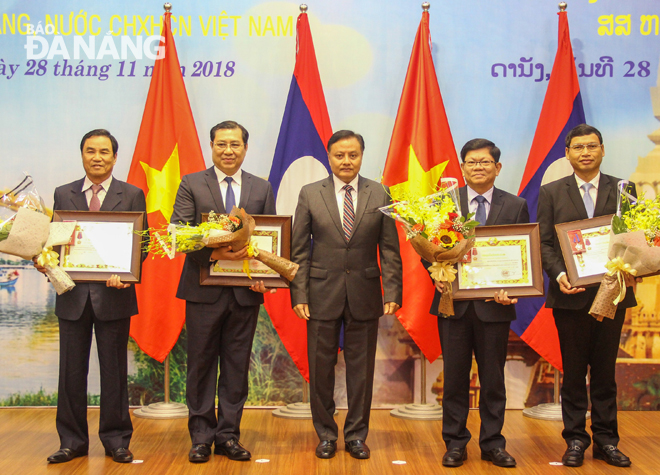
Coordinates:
[562,110]
[300,158]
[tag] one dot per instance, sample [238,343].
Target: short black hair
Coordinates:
[580,131]
[345,134]
[100,133]
[478,144]
[230,124]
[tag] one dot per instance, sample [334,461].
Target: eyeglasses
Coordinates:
[223,146]
[482,163]
[579,147]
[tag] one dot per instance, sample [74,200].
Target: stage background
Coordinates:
[492,59]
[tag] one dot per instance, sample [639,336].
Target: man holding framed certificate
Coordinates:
[587,345]
[220,320]
[481,326]
[103,308]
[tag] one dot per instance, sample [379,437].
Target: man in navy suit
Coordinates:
[220,320]
[478,325]
[586,344]
[104,309]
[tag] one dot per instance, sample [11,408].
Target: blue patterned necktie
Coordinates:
[481,216]
[588,201]
[349,212]
[230,202]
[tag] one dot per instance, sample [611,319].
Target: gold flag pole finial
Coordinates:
[167,7]
[426,6]
[303,8]
[562,6]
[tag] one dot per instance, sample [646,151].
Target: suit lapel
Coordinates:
[363,198]
[113,196]
[575,196]
[328,195]
[605,189]
[246,187]
[495,207]
[214,188]
[462,197]
[78,197]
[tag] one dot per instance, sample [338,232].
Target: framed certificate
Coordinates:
[273,234]
[103,243]
[584,245]
[503,257]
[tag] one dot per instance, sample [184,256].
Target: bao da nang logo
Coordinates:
[115,47]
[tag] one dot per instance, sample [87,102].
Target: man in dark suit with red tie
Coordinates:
[220,320]
[478,325]
[104,309]
[339,234]
[587,345]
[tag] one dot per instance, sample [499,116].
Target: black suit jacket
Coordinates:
[108,303]
[561,202]
[504,209]
[200,193]
[333,271]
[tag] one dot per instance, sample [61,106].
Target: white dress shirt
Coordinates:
[87,189]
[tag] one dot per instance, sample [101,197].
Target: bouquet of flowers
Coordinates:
[437,231]
[234,229]
[26,231]
[634,249]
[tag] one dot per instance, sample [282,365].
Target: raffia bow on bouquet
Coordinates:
[234,229]
[26,231]
[437,232]
[634,250]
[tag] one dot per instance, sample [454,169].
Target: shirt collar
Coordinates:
[237,177]
[87,184]
[471,194]
[595,181]
[339,184]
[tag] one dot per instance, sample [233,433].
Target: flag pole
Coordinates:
[419,411]
[165,409]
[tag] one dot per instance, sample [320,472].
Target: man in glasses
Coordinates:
[481,326]
[586,344]
[221,321]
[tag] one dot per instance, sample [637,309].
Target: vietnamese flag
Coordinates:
[420,149]
[167,148]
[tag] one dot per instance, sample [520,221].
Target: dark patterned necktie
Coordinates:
[349,212]
[95,203]
[230,202]
[481,216]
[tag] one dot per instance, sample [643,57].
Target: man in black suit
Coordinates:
[481,326]
[220,320]
[102,309]
[339,282]
[586,344]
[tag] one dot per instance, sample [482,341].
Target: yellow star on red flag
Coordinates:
[163,185]
[420,183]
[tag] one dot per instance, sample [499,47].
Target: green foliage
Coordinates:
[40,398]
[146,386]
[618,225]
[274,378]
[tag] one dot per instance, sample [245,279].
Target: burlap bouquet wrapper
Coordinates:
[238,239]
[282,266]
[28,234]
[432,253]
[629,255]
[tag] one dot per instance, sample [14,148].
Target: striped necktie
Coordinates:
[349,212]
